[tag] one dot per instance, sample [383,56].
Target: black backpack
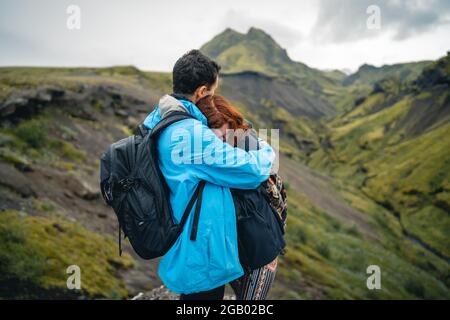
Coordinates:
[260,228]
[131,183]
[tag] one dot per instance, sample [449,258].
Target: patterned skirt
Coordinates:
[256,284]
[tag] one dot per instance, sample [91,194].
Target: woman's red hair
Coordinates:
[219,111]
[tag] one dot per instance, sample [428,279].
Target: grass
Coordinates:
[35,140]
[10,156]
[33,132]
[324,250]
[44,205]
[36,251]
[68,151]
[406,173]
[409,180]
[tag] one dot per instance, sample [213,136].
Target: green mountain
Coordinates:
[367,75]
[256,51]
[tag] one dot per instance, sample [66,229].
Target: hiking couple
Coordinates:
[197,186]
[237,190]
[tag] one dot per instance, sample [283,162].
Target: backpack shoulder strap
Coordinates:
[196,196]
[169,119]
[198,205]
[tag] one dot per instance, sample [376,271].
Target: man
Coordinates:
[199,269]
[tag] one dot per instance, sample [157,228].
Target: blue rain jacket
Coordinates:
[212,259]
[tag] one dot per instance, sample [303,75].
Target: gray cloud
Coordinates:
[344,21]
[153,34]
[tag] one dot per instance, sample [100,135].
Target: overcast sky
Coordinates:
[151,35]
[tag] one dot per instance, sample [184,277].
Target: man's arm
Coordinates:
[220,163]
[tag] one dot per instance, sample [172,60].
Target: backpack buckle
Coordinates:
[108,192]
[126,183]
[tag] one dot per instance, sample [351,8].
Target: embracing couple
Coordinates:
[241,221]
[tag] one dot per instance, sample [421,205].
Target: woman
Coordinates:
[261,213]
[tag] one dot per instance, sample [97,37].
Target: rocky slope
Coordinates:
[51,138]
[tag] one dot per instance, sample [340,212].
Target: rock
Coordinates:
[58,227]
[9,107]
[162,293]
[116,97]
[138,296]
[132,122]
[56,93]
[43,96]
[83,111]
[24,167]
[115,264]
[68,194]
[25,103]
[121,113]
[87,191]
[22,104]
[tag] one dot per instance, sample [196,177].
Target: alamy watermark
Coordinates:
[74,17]
[373,21]
[374,280]
[74,278]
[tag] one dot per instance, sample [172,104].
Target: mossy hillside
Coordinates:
[368,75]
[397,153]
[377,122]
[408,175]
[361,136]
[435,73]
[254,51]
[13,78]
[160,80]
[368,105]
[23,78]
[221,42]
[39,140]
[36,251]
[334,257]
[412,177]
[392,236]
[127,77]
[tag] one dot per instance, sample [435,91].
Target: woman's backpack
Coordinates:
[261,217]
[259,226]
[131,183]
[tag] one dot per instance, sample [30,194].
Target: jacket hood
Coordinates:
[168,104]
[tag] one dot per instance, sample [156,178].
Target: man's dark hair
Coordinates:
[194,70]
